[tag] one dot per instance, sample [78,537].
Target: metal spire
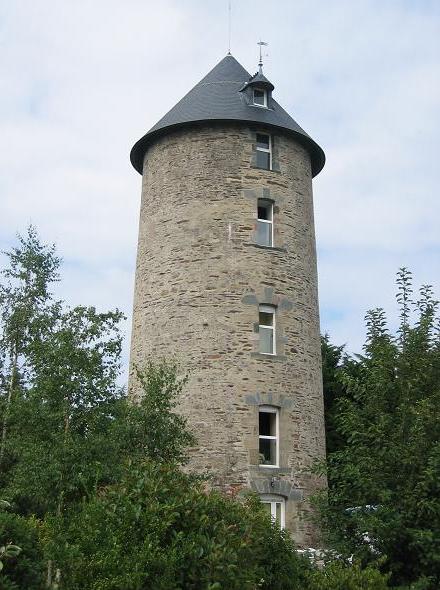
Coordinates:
[260,63]
[229,27]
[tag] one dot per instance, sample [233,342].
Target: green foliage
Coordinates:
[24,300]
[65,411]
[69,407]
[333,361]
[385,490]
[160,528]
[58,395]
[102,475]
[20,553]
[25,292]
[337,575]
[337,367]
[168,441]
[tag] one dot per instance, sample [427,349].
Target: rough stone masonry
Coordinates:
[200,279]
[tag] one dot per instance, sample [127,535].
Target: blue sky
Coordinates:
[81,81]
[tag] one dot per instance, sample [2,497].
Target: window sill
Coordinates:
[271,357]
[266,169]
[259,470]
[261,247]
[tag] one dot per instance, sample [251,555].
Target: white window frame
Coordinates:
[272,310]
[266,150]
[269,205]
[256,104]
[273,500]
[276,438]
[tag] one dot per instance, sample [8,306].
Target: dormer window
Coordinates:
[260,97]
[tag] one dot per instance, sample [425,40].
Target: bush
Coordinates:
[338,575]
[161,529]
[24,571]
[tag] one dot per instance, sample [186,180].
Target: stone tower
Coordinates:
[226,281]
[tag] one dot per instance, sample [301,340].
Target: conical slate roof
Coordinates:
[218,97]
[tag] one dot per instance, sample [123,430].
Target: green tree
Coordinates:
[161,385]
[333,361]
[24,299]
[59,392]
[60,422]
[385,480]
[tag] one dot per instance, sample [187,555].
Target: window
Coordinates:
[260,97]
[268,436]
[264,151]
[276,507]
[265,223]
[266,329]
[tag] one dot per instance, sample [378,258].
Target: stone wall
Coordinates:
[199,280]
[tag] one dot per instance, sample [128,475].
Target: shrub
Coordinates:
[161,529]
[24,571]
[338,575]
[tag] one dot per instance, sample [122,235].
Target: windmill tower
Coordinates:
[226,280]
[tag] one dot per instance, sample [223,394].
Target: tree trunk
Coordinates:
[57,581]
[49,574]
[57,578]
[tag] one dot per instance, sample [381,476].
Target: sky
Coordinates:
[81,81]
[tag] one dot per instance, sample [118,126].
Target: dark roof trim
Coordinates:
[140,148]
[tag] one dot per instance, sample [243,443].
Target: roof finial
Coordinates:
[260,63]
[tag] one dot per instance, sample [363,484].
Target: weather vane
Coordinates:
[261,44]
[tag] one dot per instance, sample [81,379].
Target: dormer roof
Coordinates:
[218,97]
[259,80]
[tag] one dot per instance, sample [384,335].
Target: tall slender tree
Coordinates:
[25,298]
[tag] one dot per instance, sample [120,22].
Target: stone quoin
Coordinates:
[226,281]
